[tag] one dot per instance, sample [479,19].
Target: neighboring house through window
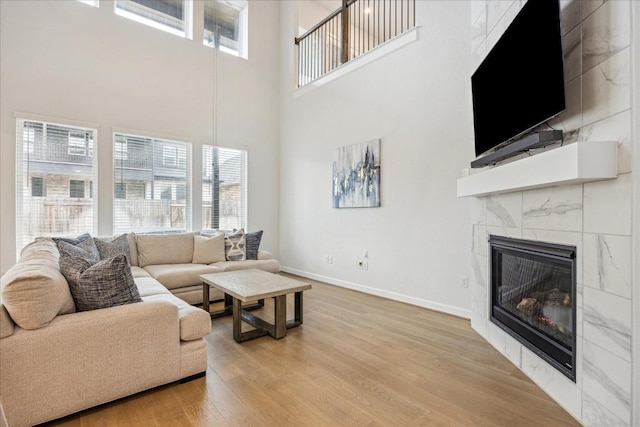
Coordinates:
[152,184]
[53,162]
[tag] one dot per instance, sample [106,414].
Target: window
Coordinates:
[37,186]
[152,184]
[169,156]
[225,26]
[50,180]
[79,144]
[76,189]
[172,16]
[224,181]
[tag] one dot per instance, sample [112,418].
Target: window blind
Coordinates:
[152,184]
[224,188]
[55,168]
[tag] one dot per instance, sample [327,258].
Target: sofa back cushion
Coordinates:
[34,291]
[156,249]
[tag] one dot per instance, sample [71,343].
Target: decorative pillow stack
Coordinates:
[98,272]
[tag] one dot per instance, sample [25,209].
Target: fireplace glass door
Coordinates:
[533,297]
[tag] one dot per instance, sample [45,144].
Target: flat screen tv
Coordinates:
[520,83]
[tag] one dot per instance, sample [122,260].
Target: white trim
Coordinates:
[431,305]
[384,49]
[635,225]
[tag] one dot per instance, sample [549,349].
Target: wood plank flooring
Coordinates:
[358,360]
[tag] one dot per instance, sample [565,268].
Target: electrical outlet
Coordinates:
[328,259]
[464,282]
[363,265]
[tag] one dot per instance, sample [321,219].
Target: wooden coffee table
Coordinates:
[255,285]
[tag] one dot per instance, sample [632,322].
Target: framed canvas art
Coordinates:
[356,175]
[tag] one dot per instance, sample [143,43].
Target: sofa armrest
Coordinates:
[264,254]
[84,359]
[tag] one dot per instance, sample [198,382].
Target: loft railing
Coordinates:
[357,27]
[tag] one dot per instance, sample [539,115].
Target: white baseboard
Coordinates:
[431,305]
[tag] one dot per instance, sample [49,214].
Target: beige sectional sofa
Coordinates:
[55,361]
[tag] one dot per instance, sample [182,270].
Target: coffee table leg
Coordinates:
[280,323]
[297,307]
[205,297]
[237,320]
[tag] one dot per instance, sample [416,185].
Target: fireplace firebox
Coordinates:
[533,297]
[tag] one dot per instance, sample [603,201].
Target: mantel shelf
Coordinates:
[574,163]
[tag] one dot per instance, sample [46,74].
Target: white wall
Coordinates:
[417,101]
[70,61]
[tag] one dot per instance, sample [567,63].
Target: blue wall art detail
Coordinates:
[356,175]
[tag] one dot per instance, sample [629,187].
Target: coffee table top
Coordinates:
[253,284]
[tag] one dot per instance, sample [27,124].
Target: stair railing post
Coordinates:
[345,31]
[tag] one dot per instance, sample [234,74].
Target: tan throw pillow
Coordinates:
[235,246]
[208,249]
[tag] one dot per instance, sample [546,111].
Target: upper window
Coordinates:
[53,162]
[225,26]
[224,181]
[152,184]
[172,16]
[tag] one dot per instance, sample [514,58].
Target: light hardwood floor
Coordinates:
[356,360]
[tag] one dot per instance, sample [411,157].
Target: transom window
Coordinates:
[172,16]
[225,26]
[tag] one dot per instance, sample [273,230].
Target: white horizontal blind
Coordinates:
[56,172]
[166,15]
[225,25]
[152,184]
[224,181]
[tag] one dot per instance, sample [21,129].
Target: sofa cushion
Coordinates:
[133,248]
[100,284]
[270,265]
[139,272]
[85,247]
[253,244]
[148,286]
[235,246]
[194,322]
[111,247]
[156,249]
[208,249]
[180,275]
[34,291]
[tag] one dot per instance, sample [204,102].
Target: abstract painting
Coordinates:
[356,175]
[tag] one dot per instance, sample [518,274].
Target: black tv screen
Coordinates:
[520,83]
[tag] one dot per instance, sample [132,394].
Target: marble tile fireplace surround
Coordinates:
[595,216]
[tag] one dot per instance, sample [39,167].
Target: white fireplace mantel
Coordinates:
[570,164]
